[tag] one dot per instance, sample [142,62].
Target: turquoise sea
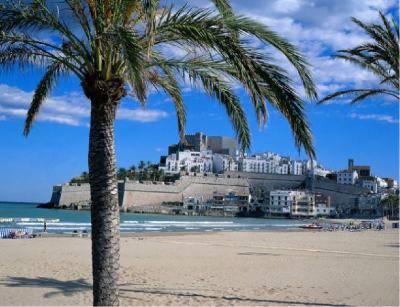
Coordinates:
[80,220]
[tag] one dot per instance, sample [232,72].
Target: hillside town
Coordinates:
[218,154]
[269,185]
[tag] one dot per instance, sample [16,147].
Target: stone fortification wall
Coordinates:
[142,194]
[339,193]
[261,184]
[68,194]
[132,193]
[56,195]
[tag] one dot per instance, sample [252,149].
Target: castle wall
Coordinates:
[142,194]
[68,194]
[261,184]
[339,193]
[56,195]
[133,193]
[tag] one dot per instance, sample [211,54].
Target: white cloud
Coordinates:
[379,117]
[318,28]
[160,149]
[139,115]
[70,109]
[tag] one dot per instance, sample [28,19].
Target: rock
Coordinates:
[48,205]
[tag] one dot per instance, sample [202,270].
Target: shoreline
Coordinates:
[242,268]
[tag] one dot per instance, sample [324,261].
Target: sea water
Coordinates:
[71,220]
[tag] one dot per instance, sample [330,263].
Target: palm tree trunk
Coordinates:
[105,208]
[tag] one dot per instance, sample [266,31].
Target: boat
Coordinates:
[311,226]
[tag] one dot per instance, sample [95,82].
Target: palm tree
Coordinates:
[390,201]
[120,45]
[132,172]
[141,165]
[380,56]
[85,176]
[122,173]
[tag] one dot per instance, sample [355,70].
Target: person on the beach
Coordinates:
[45,227]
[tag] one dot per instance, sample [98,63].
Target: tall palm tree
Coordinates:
[391,201]
[380,56]
[120,45]
[122,173]
[141,165]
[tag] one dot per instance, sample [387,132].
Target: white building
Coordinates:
[280,203]
[291,203]
[296,168]
[223,163]
[254,164]
[319,170]
[371,185]
[282,169]
[303,205]
[391,183]
[381,183]
[265,163]
[200,162]
[308,165]
[347,177]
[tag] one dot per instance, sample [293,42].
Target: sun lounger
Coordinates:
[77,233]
[85,233]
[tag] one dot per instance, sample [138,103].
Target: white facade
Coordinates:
[347,177]
[265,163]
[280,202]
[371,185]
[272,163]
[320,171]
[308,165]
[296,168]
[381,184]
[254,164]
[324,210]
[189,160]
[223,163]
[292,203]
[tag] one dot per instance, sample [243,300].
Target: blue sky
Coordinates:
[57,148]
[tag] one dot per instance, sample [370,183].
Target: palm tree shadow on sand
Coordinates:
[230,300]
[71,287]
[66,288]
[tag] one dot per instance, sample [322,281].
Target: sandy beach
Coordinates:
[226,268]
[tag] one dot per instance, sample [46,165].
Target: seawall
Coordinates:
[133,193]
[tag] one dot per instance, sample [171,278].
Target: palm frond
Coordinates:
[40,47]
[170,85]
[43,90]
[150,11]
[37,17]
[294,112]
[224,7]
[219,90]
[380,56]
[359,94]
[133,60]
[247,26]
[18,55]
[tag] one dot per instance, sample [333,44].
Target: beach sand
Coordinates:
[227,268]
